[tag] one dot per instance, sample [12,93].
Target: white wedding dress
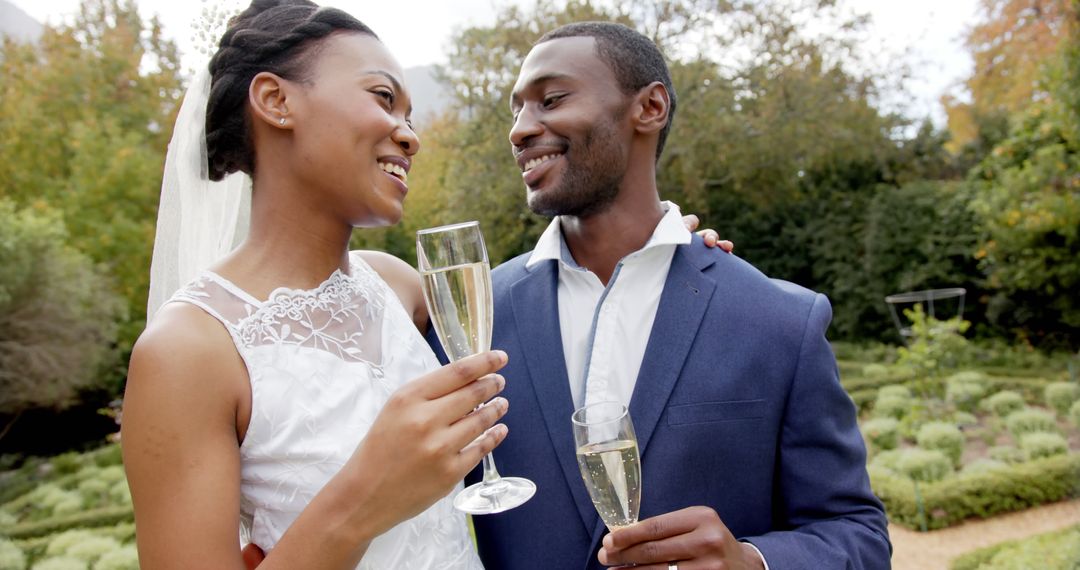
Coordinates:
[322,363]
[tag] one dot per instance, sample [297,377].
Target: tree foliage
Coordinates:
[58,313]
[84,121]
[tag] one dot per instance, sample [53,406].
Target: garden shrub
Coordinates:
[897,390]
[1029,420]
[964,395]
[93,491]
[943,437]
[967,377]
[983,465]
[112,474]
[123,558]
[1004,403]
[886,460]
[891,406]
[965,420]
[7,519]
[61,542]
[875,371]
[1074,413]
[1058,550]
[882,433]
[106,516]
[108,456]
[979,495]
[924,465]
[92,548]
[61,563]
[1061,395]
[120,493]
[11,556]
[1007,454]
[67,463]
[1038,445]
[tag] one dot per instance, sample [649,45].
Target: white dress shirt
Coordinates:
[605,329]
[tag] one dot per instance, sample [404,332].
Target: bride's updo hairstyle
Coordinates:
[278,36]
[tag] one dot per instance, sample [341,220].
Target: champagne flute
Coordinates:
[607,454]
[454,266]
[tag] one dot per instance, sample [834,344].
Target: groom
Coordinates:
[751,457]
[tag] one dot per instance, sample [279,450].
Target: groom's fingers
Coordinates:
[453,376]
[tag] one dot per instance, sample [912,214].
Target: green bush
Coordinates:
[120,493]
[979,495]
[964,395]
[61,563]
[1007,454]
[67,463]
[1004,403]
[924,465]
[61,542]
[965,420]
[11,556]
[112,475]
[875,370]
[1074,413]
[92,548]
[967,377]
[943,437]
[106,516]
[123,558]
[983,465]
[891,406]
[1061,395]
[1029,420]
[897,390]
[882,433]
[108,456]
[1038,445]
[1058,550]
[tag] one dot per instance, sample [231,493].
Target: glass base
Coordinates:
[496,497]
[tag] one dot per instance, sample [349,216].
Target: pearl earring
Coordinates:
[282,121]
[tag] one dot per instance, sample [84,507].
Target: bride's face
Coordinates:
[353,139]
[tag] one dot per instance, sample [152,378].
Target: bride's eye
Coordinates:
[387,95]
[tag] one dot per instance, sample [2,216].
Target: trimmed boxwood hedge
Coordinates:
[980,494]
[1058,550]
[108,516]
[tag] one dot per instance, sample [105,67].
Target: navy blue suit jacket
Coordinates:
[738,406]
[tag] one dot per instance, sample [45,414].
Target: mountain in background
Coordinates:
[16,24]
[429,97]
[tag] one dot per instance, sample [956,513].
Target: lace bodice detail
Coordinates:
[322,363]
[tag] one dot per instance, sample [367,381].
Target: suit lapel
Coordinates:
[536,316]
[682,306]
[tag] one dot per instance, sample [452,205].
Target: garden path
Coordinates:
[935,550]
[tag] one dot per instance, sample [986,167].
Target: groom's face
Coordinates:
[570,135]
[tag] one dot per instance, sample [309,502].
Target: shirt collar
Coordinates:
[551,245]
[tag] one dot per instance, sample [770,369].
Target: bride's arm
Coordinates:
[186,404]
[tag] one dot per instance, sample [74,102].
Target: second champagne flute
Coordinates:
[607,454]
[457,287]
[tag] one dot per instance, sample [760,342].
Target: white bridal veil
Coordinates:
[199,221]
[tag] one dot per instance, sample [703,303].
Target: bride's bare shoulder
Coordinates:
[403,279]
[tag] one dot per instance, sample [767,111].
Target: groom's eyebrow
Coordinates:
[515,97]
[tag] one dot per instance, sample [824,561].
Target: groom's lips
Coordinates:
[532,176]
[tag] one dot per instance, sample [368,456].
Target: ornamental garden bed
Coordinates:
[970,446]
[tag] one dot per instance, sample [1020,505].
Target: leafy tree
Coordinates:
[1030,212]
[57,315]
[83,129]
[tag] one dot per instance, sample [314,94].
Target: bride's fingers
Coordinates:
[460,403]
[471,455]
[472,426]
[453,376]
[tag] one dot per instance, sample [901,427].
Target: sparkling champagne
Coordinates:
[459,299]
[612,474]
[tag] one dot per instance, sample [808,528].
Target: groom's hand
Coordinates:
[710,237]
[694,537]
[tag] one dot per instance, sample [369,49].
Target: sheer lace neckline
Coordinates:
[335,279]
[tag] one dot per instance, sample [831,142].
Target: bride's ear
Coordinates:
[268,96]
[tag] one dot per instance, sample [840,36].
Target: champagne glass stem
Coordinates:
[491,474]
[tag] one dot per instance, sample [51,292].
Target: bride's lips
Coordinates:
[397,169]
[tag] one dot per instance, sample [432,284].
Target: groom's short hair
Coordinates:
[633,58]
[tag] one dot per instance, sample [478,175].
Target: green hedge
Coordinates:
[980,494]
[1058,550]
[108,516]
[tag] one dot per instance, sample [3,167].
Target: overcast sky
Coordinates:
[417,31]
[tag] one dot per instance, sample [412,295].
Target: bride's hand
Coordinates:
[428,437]
[710,237]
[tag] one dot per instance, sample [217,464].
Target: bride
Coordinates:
[285,390]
